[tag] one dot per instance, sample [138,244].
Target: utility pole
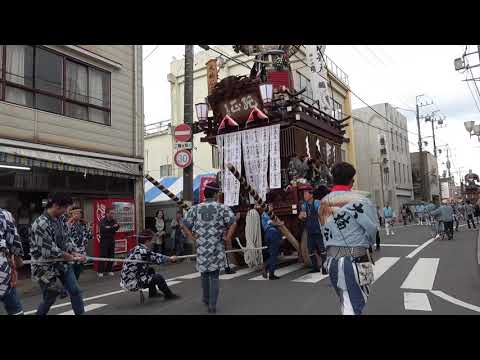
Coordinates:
[188,119]
[420,148]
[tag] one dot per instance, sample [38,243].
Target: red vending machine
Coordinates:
[125,239]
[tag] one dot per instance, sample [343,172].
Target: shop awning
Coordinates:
[175,184]
[64,162]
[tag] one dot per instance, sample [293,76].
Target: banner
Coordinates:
[319,80]
[275,165]
[232,150]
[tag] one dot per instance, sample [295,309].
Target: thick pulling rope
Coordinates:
[253,235]
[283,229]
[91,258]
[167,192]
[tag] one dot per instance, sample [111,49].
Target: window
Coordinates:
[165,170]
[337,110]
[39,78]
[391,133]
[303,82]
[395,170]
[404,175]
[396,139]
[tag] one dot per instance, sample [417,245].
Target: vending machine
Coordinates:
[124,214]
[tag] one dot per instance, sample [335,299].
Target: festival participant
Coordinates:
[80,234]
[389,219]
[160,232]
[444,214]
[273,238]
[11,253]
[469,212]
[49,242]
[206,224]
[137,276]
[350,224]
[309,214]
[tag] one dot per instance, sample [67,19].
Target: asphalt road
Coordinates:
[419,277]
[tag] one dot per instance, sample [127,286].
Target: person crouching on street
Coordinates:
[349,223]
[206,224]
[273,238]
[138,276]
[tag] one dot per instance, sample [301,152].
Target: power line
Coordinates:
[151,52]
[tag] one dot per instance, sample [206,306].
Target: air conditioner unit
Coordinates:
[459,64]
[386,170]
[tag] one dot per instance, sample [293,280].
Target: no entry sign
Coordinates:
[182,133]
[183,158]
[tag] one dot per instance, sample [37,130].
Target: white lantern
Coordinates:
[266,90]
[469,125]
[476,129]
[202,111]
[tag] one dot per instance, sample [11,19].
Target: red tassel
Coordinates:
[227,121]
[256,113]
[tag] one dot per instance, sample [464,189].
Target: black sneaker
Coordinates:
[229,270]
[264,275]
[155,295]
[324,271]
[273,277]
[212,311]
[314,271]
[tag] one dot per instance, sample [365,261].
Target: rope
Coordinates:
[253,234]
[91,258]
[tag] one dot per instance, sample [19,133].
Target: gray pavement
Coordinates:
[443,279]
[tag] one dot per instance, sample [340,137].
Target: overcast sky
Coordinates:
[378,74]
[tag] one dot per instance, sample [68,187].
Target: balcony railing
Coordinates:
[156,128]
[335,70]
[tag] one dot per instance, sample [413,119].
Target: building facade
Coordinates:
[431,190]
[383,155]
[71,120]
[204,155]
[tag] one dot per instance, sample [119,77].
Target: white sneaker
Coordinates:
[100,275]
[393,233]
[111,273]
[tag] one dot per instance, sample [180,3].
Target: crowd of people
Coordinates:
[342,227]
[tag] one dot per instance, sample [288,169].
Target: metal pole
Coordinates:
[188,119]
[422,170]
[381,184]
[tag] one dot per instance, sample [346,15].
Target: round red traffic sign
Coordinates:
[183,158]
[182,132]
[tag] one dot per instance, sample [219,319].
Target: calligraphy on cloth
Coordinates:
[318,67]
[275,165]
[232,153]
[255,143]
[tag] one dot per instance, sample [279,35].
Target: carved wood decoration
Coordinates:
[212,74]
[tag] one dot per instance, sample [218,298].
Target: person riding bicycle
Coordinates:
[444,215]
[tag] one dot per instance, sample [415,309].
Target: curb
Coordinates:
[478,249]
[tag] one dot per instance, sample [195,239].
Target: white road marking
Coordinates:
[188,276]
[382,265]
[420,248]
[398,245]
[170,282]
[311,278]
[89,307]
[240,272]
[451,299]
[416,301]
[282,271]
[422,276]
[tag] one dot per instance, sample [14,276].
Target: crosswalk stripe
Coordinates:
[422,276]
[416,301]
[399,245]
[382,265]
[282,271]
[88,308]
[238,273]
[311,278]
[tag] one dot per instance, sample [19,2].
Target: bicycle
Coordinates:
[438,230]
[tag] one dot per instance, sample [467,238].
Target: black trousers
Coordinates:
[158,281]
[107,250]
[449,228]
[470,219]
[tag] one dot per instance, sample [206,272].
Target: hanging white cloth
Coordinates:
[255,144]
[275,165]
[320,86]
[220,161]
[232,149]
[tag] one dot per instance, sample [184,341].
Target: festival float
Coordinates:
[472,187]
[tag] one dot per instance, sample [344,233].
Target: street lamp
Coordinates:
[202,111]
[266,90]
[469,126]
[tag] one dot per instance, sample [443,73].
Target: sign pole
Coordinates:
[188,119]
